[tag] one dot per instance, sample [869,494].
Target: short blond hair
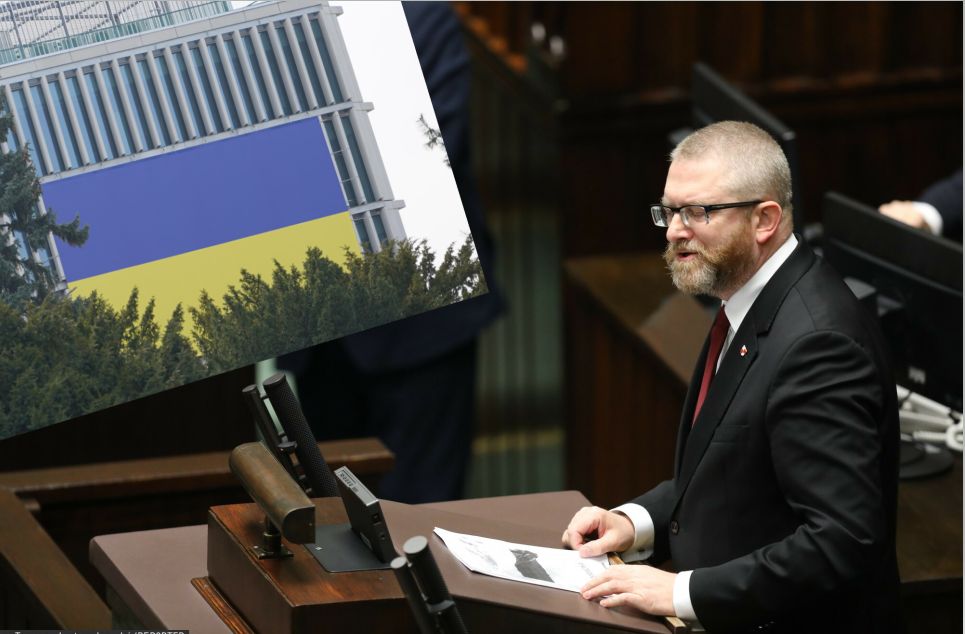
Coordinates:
[756,164]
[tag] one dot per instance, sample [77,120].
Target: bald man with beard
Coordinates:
[780,516]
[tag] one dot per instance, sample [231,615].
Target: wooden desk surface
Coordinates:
[151,571]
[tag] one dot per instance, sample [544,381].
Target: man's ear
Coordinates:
[767,220]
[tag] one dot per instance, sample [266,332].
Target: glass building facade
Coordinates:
[242,71]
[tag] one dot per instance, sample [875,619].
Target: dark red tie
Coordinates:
[718,333]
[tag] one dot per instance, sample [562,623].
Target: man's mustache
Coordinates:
[673,248]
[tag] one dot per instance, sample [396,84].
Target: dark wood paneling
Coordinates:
[631,341]
[207,415]
[874,91]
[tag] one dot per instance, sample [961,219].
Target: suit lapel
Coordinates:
[690,403]
[729,376]
[693,442]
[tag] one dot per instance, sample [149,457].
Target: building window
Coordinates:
[189,92]
[114,93]
[67,131]
[259,78]
[343,173]
[309,64]
[46,129]
[206,89]
[286,105]
[327,62]
[379,228]
[157,113]
[292,67]
[356,153]
[83,119]
[225,88]
[171,95]
[27,129]
[242,82]
[144,131]
[100,111]
[363,234]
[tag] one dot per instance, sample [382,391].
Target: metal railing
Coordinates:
[48,47]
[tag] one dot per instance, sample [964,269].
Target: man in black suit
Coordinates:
[780,515]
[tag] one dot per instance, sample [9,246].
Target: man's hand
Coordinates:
[595,531]
[904,211]
[645,588]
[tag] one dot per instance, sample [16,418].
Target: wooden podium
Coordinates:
[297,595]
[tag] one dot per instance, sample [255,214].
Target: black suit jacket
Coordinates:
[783,499]
[946,197]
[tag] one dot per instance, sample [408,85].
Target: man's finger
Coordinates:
[611,586]
[624,598]
[595,581]
[601,546]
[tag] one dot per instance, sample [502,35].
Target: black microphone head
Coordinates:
[415,545]
[260,414]
[424,568]
[265,425]
[292,419]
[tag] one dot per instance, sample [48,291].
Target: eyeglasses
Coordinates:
[663,216]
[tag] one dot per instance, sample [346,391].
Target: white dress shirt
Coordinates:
[736,309]
[933,219]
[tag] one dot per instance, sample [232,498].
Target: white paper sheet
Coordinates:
[551,567]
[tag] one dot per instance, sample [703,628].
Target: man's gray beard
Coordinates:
[694,278]
[711,272]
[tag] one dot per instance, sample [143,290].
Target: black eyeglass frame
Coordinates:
[656,211]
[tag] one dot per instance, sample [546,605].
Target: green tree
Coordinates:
[67,357]
[322,301]
[23,230]
[433,138]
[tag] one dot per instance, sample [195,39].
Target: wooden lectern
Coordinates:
[297,595]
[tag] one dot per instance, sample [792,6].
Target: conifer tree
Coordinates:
[23,229]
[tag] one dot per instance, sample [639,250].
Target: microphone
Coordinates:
[277,446]
[403,574]
[317,472]
[426,572]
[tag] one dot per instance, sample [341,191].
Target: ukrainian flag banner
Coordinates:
[188,220]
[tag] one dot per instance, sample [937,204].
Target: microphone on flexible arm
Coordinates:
[437,598]
[279,446]
[317,472]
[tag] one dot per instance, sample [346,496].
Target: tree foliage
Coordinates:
[322,301]
[65,356]
[22,277]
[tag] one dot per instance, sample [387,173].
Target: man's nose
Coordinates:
[677,230]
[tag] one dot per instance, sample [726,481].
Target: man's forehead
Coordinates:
[693,181]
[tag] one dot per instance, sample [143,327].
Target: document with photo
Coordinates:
[552,567]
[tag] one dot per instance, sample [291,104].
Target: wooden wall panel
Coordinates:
[872,89]
[207,415]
